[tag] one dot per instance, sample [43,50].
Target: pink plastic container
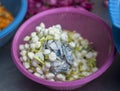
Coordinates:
[87,24]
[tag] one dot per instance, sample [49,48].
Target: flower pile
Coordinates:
[57,55]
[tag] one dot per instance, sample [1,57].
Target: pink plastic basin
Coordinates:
[87,24]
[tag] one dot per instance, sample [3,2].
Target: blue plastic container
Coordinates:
[18,9]
[114,8]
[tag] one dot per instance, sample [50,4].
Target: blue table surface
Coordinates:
[12,80]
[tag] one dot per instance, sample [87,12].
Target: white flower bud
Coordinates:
[41,34]
[84,67]
[60,77]
[58,32]
[75,36]
[75,76]
[42,25]
[58,26]
[79,55]
[52,56]
[89,55]
[30,70]
[83,52]
[56,36]
[75,64]
[24,58]
[42,76]
[37,74]
[21,47]
[26,46]
[39,70]
[34,63]
[37,44]
[71,79]
[40,55]
[38,28]
[47,65]
[51,80]
[31,55]
[84,43]
[94,54]
[47,51]
[49,75]
[33,34]
[94,69]
[21,59]
[35,39]
[45,32]
[86,73]
[64,36]
[27,38]
[23,52]
[72,44]
[32,45]
[53,46]
[26,65]
[51,32]
[45,69]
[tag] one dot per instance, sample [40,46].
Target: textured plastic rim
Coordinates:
[63,84]
[114,9]
[16,21]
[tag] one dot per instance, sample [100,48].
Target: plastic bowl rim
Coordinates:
[63,84]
